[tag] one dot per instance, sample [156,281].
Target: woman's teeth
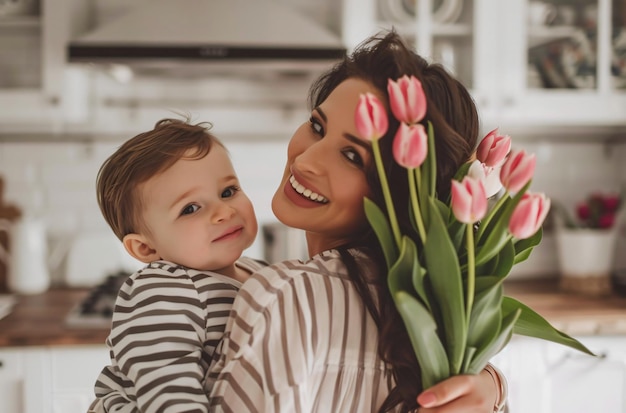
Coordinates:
[306,192]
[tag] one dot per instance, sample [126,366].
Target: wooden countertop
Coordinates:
[39,320]
[574,314]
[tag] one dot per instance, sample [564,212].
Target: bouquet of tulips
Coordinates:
[447,283]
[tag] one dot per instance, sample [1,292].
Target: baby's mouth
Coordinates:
[305,192]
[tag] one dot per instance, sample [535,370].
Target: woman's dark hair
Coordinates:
[453,114]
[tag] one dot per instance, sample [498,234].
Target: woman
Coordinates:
[324,335]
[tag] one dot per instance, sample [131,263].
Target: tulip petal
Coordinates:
[493,148]
[410,145]
[407,99]
[468,201]
[517,170]
[370,117]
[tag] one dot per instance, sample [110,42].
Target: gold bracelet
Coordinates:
[500,382]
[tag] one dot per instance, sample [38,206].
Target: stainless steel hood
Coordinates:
[210,35]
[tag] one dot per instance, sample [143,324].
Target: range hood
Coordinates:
[208,36]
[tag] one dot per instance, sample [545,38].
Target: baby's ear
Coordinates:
[138,247]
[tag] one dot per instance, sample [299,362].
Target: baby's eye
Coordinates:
[316,126]
[230,191]
[189,209]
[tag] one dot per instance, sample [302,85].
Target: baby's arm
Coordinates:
[157,339]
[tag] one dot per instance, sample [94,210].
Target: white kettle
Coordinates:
[27,261]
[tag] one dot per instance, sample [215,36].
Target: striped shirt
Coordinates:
[166,324]
[299,339]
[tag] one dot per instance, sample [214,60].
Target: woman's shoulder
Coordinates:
[323,271]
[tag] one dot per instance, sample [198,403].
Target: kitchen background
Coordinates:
[551,74]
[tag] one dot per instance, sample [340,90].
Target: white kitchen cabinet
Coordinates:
[33,62]
[74,373]
[502,58]
[11,381]
[49,379]
[548,378]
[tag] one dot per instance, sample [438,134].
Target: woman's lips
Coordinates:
[303,198]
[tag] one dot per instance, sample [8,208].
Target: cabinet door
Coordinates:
[562,63]
[576,383]
[74,373]
[11,382]
[33,63]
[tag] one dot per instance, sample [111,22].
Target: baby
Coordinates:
[172,197]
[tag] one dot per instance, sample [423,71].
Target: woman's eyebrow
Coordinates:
[321,113]
[354,139]
[358,141]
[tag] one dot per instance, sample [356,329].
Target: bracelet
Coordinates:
[500,382]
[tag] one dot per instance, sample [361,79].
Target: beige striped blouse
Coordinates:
[299,339]
[166,324]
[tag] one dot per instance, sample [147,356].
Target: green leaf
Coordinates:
[481,358]
[429,167]
[463,170]
[524,247]
[532,324]
[380,225]
[486,312]
[506,257]
[422,331]
[406,274]
[443,271]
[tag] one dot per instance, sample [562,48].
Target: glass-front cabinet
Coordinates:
[528,63]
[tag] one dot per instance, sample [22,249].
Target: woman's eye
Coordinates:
[230,191]
[189,209]
[353,156]
[316,126]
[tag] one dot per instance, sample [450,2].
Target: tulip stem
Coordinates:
[471,272]
[485,222]
[387,195]
[413,183]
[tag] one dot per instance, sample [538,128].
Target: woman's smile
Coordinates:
[305,192]
[302,196]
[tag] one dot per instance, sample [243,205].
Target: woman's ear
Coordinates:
[138,247]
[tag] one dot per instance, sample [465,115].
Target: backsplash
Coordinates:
[57,180]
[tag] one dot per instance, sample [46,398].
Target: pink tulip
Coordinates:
[407,99]
[493,148]
[468,202]
[410,145]
[529,215]
[517,170]
[370,117]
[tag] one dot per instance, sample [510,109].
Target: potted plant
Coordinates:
[586,243]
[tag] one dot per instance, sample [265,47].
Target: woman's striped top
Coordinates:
[299,339]
[166,324]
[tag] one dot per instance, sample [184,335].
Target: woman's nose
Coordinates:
[312,159]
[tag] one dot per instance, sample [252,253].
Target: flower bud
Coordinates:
[407,99]
[529,214]
[370,117]
[410,145]
[517,170]
[468,201]
[493,149]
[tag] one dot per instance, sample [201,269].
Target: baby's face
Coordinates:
[197,214]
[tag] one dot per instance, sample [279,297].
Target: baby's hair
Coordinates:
[139,159]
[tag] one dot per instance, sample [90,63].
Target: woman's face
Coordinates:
[324,182]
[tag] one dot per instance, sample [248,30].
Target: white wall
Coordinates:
[65,174]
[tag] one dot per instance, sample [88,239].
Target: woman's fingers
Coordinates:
[462,393]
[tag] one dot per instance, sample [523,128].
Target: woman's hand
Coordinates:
[461,394]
